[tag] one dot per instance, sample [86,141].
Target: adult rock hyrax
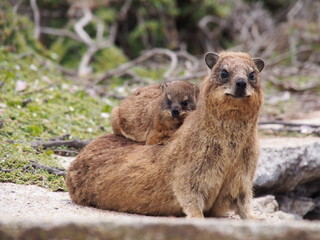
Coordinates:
[205,169]
[153,113]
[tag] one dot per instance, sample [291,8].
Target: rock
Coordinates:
[299,206]
[287,162]
[31,212]
[309,189]
[315,213]
[267,208]
[266,204]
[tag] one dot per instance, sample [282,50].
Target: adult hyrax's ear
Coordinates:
[211,59]
[259,63]
[163,86]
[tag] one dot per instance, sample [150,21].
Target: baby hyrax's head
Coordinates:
[178,98]
[234,74]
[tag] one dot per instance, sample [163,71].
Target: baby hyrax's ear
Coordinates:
[163,86]
[211,59]
[259,63]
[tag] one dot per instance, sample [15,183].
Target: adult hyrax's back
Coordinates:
[153,113]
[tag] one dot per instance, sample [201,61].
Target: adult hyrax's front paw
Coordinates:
[194,214]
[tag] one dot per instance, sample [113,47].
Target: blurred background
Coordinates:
[65,64]
[103,43]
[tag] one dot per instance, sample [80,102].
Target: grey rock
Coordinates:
[266,204]
[309,189]
[296,205]
[315,213]
[287,162]
[267,208]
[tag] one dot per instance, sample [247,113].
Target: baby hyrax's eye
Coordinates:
[184,103]
[169,102]
[251,76]
[224,74]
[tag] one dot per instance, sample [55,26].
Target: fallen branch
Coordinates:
[76,144]
[51,170]
[65,153]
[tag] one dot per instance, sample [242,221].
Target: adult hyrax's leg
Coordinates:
[190,201]
[192,207]
[244,205]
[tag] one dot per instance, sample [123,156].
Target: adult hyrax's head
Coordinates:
[234,82]
[236,74]
[178,98]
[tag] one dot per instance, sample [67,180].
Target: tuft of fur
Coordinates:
[205,169]
[153,113]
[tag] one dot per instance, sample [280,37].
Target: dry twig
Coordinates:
[77,144]
[66,153]
[61,32]
[35,165]
[52,170]
[36,18]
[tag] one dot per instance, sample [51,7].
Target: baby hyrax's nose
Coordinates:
[175,112]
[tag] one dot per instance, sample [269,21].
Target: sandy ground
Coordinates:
[39,204]
[35,202]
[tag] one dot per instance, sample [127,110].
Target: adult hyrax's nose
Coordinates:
[241,83]
[175,112]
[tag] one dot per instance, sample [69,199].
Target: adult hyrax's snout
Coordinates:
[240,88]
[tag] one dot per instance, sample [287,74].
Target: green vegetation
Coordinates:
[49,106]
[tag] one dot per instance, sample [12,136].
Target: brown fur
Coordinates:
[153,113]
[207,167]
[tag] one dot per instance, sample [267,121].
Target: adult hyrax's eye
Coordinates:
[251,76]
[169,102]
[224,74]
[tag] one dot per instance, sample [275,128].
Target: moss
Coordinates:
[50,106]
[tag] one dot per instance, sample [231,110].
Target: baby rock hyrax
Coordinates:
[205,169]
[153,113]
